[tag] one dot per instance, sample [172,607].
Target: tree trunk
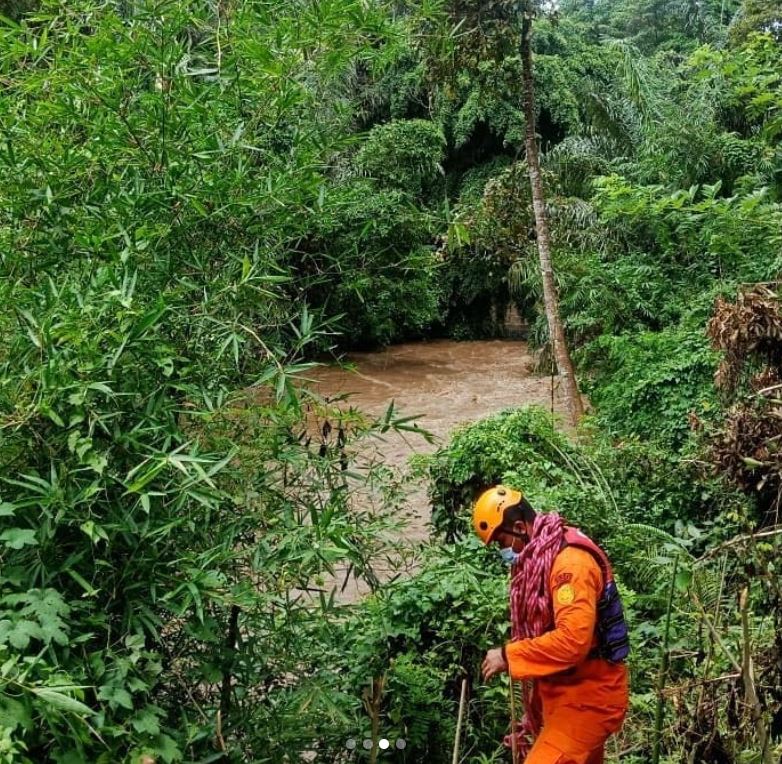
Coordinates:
[572,396]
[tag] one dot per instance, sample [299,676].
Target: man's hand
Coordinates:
[493,664]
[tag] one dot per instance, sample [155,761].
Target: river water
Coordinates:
[447,383]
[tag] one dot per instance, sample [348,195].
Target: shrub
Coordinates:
[368,267]
[420,636]
[522,447]
[648,383]
[695,232]
[403,154]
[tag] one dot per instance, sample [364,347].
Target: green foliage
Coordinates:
[415,691]
[657,24]
[524,448]
[602,485]
[197,198]
[748,83]
[473,277]
[639,501]
[653,485]
[601,295]
[15,9]
[474,294]
[426,633]
[473,183]
[695,230]
[404,154]
[756,16]
[647,384]
[127,542]
[486,102]
[368,263]
[153,525]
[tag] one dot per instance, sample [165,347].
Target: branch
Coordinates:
[714,633]
[775,531]
[670,691]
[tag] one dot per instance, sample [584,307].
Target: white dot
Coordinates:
[350,744]
[384,743]
[401,743]
[367,744]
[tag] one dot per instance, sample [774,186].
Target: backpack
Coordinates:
[613,639]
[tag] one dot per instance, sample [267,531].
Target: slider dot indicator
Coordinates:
[401,744]
[367,744]
[350,744]
[384,743]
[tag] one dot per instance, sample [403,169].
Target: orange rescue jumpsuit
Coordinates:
[583,699]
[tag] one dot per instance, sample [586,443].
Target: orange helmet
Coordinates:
[489,511]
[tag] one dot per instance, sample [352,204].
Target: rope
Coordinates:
[531,611]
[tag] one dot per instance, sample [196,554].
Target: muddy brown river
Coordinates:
[446,383]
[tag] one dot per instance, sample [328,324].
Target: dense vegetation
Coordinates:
[202,197]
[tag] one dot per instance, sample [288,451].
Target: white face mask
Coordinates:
[509,557]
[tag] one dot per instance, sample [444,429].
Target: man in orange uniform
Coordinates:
[582,698]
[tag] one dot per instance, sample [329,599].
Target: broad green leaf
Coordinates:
[116,696]
[146,722]
[15,712]
[19,634]
[16,538]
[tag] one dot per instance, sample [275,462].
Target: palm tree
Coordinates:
[550,297]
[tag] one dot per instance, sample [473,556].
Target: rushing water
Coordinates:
[446,383]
